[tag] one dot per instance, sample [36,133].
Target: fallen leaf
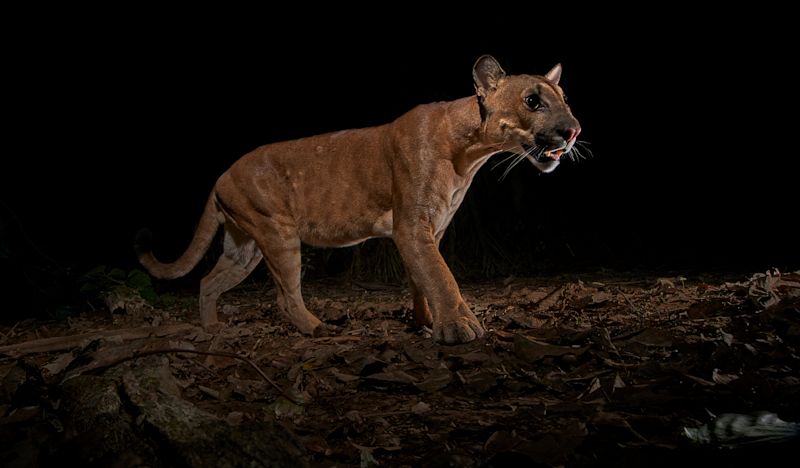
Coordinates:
[367,459]
[727,338]
[767,289]
[420,408]
[354,416]
[720,378]
[370,365]
[593,386]
[665,283]
[618,382]
[249,390]
[57,365]
[282,408]
[592,299]
[501,441]
[652,337]
[436,380]
[127,300]
[234,418]
[531,350]
[392,376]
[700,380]
[341,377]
[215,394]
[480,381]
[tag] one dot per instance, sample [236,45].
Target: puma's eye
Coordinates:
[533,101]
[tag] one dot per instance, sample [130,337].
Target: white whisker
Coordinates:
[575,154]
[510,156]
[585,148]
[516,158]
[519,157]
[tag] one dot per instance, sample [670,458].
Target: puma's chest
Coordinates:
[434,199]
[440,214]
[454,195]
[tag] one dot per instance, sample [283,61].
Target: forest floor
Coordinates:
[580,370]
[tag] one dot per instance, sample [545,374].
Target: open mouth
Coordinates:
[545,156]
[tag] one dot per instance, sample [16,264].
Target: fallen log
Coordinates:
[59,343]
[135,413]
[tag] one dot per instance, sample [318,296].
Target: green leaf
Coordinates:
[117,274]
[138,279]
[88,287]
[149,295]
[99,270]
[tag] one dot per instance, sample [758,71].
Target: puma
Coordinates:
[403,180]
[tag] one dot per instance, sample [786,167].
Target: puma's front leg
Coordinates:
[422,313]
[453,322]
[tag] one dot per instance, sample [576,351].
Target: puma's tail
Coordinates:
[206,230]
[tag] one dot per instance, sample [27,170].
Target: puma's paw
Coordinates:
[306,323]
[463,329]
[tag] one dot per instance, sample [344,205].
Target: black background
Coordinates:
[120,120]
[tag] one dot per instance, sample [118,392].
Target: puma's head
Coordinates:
[525,114]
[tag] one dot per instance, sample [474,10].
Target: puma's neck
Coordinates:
[463,129]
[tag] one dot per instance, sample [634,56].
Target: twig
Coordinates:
[630,303]
[386,413]
[633,431]
[337,339]
[550,294]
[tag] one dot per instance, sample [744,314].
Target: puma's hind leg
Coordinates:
[280,245]
[239,257]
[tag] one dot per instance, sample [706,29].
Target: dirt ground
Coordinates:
[581,370]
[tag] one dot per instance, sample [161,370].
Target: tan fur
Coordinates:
[403,180]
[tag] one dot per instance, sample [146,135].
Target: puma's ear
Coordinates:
[555,74]
[486,73]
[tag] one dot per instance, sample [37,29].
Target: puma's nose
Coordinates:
[568,134]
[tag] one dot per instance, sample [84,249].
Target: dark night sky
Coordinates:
[115,125]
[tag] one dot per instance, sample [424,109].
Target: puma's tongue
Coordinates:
[555,154]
